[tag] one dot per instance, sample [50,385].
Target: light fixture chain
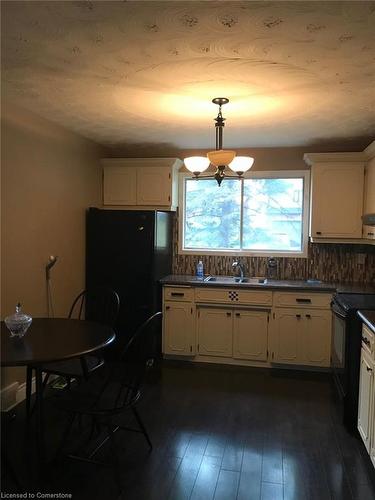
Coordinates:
[219,125]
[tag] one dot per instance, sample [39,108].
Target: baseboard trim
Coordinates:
[14,393]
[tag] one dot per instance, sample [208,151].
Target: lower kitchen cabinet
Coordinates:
[179,329]
[301,337]
[285,345]
[247,327]
[317,338]
[250,334]
[214,331]
[372,426]
[237,333]
[366,384]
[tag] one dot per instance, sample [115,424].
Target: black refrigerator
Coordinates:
[129,251]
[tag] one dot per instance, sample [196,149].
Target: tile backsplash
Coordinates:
[326,262]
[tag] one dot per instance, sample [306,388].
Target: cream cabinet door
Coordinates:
[287,332]
[178,329]
[250,335]
[336,200]
[214,328]
[366,383]
[369,203]
[372,422]
[154,186]
[119,186]
[316,342]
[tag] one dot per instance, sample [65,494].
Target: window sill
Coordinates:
[243,253]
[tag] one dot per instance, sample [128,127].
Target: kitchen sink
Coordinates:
[236,279]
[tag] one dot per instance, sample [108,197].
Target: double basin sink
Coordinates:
[235,279]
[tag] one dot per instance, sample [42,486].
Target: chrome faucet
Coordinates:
[238,265]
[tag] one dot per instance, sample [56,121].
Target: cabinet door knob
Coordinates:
[366,341]
[368,369]
[167,307]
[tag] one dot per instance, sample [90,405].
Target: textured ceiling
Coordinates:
[145,72]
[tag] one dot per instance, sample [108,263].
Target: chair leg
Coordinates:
[45,381]
[94,427]
[142,427]
[65,435]
[8,467]
[115,458]
[44,384]
[29,379]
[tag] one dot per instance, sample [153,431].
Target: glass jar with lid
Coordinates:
[18,323]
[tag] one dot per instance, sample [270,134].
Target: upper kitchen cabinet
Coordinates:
[336,203]
[369,195]
[141,182]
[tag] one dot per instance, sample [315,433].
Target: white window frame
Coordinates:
[269,174]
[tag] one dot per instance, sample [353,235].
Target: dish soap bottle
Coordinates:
[200,270]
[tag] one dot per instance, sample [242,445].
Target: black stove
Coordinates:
[352,302]
[346,349]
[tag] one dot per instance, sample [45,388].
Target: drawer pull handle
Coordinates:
[229,314]
[366,341]
[370,234]
[177,294]
[308,316]
[238,314]
[368,369]
[318,232]
[298,316]
[303,301]
[167,307]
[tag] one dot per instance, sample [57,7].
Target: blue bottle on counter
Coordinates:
[200,273]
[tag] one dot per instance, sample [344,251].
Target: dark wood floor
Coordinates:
[232,433]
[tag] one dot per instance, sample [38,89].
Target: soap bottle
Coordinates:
[200,273]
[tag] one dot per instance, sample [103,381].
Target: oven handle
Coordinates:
[337,311]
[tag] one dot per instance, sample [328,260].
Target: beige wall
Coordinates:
[265,158]
[49,177]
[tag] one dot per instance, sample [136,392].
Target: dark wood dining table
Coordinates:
[50,340]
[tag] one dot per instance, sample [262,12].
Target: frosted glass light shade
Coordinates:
[241,164]
[221,156]
[196,163]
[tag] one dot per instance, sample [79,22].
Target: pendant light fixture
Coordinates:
[220,158]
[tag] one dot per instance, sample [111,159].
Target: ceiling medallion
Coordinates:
[220,158]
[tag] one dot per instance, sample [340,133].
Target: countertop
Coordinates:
[288,285]
[368,317]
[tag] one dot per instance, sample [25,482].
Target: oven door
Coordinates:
[339,358]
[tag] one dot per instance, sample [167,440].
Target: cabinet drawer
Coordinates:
[182,293]
[368,340]
[233,296]
[302,299]
[368,232]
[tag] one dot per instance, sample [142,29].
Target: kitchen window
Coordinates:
[263,214]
